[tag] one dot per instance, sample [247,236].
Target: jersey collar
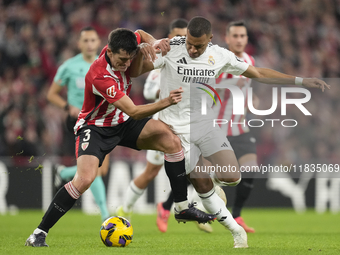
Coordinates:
[109,62]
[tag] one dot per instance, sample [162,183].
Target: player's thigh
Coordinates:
[249,159]
[225,165]
[102,171]
[157,136]
[216,148]
[89,141]
[191,152]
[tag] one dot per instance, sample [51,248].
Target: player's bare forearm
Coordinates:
[136,65]
[143,111]
[270,76]
[54,97]
[147,66]
[126,105]
[146,37]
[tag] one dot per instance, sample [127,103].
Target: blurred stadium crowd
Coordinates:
[299,37]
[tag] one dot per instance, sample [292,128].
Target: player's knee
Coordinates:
[233,181]
[82,183]
[173,144]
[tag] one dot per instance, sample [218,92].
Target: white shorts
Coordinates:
[155,157]
[204,139]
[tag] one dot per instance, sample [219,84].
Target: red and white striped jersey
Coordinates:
[237,124]
[104,85]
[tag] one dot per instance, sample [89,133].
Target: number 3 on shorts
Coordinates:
[87,135]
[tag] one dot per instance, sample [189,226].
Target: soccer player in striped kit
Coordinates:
[238,135]
[109,118]
[72,75]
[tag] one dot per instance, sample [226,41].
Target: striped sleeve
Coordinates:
[107,89]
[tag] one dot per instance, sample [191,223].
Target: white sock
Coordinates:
[132,195]
[180,206]
[38,230]
[195,198]
[215,205]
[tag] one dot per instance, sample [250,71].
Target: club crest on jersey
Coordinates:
[211,61]
[111,91]
[84,146]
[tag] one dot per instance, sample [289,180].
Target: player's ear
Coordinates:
[211,37]
[109,51]
[226,39]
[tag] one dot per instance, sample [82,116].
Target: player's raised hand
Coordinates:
[162,45]
[148,51]
[315,83]
[175,96]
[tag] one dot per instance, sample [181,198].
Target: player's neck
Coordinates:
[89,59]
[238,54]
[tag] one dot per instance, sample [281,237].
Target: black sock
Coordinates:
[60,204]
[168,203]
[178,179]
[243,190]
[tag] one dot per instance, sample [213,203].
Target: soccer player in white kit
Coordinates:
[155,159]
[194,59]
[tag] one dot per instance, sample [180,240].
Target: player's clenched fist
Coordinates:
[175,96]
[148,51]
[162,45]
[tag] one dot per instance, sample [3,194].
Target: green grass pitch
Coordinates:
[278,231]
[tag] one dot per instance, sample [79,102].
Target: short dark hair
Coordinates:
[239,23]
[122,39]
[178,23]
[88,28]
[199,26]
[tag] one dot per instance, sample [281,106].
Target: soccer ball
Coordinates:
[116,231]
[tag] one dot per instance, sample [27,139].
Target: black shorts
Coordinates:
[99,141]
[243,144]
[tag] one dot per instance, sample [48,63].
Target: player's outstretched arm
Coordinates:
[270,76]
[126,105]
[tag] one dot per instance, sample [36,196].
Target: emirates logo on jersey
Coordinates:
[111,91]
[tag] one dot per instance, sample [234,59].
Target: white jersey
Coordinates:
[225,111]
[151,87]
[152,84]
[178,69]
